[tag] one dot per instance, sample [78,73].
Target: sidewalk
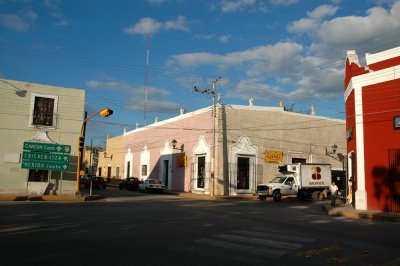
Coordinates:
[349,211]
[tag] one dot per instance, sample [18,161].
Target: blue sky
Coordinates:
[271,50]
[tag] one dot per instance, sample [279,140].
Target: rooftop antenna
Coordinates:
[147,71]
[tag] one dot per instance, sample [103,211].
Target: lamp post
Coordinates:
[105,112]
[341,158]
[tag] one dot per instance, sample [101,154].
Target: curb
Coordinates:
[49,198]
[208,197]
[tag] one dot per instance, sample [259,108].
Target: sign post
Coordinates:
[45,156]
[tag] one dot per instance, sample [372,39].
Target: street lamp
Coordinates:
[174,142]
[341,158]
[334,149]
[105,155]
[105,112]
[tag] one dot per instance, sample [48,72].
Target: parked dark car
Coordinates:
[86,177]
[96,182]
[129,183]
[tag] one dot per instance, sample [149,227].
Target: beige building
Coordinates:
[110,160]
[256,139]
[45,117]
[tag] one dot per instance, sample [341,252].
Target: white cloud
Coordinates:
[179,24]
[224,38]
[148,24]
[283,2]
[357,32]
[156,2]
[136,101]
[271,55]
[109,85]
[381,2]
[18,22]
[232,6]
[313,19]
[302,26]
[322,11]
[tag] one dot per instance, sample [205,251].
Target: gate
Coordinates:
[394,180]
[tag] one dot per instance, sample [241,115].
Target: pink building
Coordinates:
[372,97]
[226,154]
[149,151]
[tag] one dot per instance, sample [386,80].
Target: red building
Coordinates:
[372,97]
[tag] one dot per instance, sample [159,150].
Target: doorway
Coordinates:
[128,169]
[108,174]
[243,173]
[201,171]
[165,173]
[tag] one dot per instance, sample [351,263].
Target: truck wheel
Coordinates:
[277,196]
[317,195]
[262,198]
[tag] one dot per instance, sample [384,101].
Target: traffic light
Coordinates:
[81,143]
[106,112]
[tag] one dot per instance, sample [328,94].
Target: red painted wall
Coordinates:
[385,64]
[381,102]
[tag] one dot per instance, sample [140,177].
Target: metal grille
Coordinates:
[394,180]
[195,181]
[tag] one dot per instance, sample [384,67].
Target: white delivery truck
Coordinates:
[301,180]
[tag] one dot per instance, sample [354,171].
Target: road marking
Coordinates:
[241,248]
[263,243]
[259,241]
[277,235]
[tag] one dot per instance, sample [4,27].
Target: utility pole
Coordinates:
[213,91]
[90,158]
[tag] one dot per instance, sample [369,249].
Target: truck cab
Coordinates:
[280,185]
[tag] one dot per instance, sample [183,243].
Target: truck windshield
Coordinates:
[278,179]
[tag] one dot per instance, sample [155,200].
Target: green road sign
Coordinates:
[46,147]
[56,166]
[45,157]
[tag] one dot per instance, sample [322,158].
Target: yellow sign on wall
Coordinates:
[273,156]
[181,161]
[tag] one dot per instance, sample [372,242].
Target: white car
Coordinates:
[151,185]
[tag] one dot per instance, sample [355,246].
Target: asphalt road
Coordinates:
[130,228]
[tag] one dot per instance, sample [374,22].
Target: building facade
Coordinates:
[230,152]
[110,159]
[372,129]
[42,116]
